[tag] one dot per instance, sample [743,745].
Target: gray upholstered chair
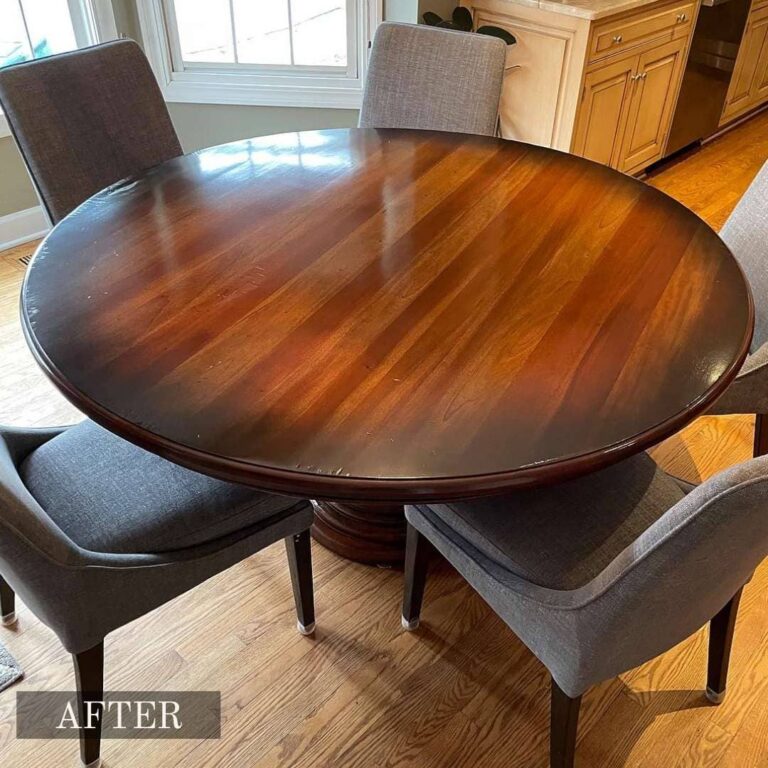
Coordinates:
[86,119]
[746,234]
[433,79]
[95,532]
[600,574]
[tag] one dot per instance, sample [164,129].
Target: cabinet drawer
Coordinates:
[670,21]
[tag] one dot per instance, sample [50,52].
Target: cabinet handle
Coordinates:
[644,75]
[639,76]
[681,18]
[617,39]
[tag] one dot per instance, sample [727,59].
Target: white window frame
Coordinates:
[93,21]
[261,86]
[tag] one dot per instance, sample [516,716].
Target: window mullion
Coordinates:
[84,24]
[26,29]
[355,27]
[290,30]
[233,30]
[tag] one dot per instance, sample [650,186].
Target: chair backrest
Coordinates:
[746,234]
[433,79]
[86,119]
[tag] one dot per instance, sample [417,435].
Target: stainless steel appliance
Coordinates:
[708,72]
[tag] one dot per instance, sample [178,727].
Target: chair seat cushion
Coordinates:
[562,536]
[108,495]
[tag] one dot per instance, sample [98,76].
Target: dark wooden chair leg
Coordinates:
[721,630]
[417,553]
[7,604]
[89,674]
[761,435]
[564,722]
[299,552]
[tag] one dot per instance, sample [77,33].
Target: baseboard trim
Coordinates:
[22,226]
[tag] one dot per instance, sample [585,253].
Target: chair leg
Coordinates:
[564,722]
[761,435]
[89,674]
[299,552]
[416,561]
[7,604]
[721,630]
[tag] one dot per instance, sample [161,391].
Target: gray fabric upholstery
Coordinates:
[108,495]
[433,79]
[83,594]
[664,585]
[746,234]
[748,392]
[86,119]
[563,536]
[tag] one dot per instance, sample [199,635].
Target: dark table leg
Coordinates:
[369,533]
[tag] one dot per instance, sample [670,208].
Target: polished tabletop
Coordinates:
[387,315]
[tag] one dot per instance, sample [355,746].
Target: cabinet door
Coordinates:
[653,100]
[759,90]
[603,112]
[742,91]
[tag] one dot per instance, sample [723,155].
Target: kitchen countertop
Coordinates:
[586,9]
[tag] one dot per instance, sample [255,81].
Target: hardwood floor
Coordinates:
[26,396]
[462,691]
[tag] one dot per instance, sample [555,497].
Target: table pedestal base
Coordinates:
[366,533]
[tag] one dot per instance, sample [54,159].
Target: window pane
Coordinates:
[205,30]
[50,26]
[13,39]
[262,32]
[320,32]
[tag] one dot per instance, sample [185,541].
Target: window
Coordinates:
[31,29]
[281,52]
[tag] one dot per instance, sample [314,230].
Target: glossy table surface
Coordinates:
[387,315]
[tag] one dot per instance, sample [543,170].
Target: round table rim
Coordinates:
[385,490]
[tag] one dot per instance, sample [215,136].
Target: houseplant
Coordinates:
[461,20]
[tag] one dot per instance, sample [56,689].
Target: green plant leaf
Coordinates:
[502,34]
[462,18]
[431,18]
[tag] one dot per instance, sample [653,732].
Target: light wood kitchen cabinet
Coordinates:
[650,25]
[652,103]
[760,81]
[599,78]
[749,85]
[627,107]
[604,109]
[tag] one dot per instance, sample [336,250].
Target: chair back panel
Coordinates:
[746,234]
[433,79]
[86,119]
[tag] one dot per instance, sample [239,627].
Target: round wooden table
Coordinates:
[376,317]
